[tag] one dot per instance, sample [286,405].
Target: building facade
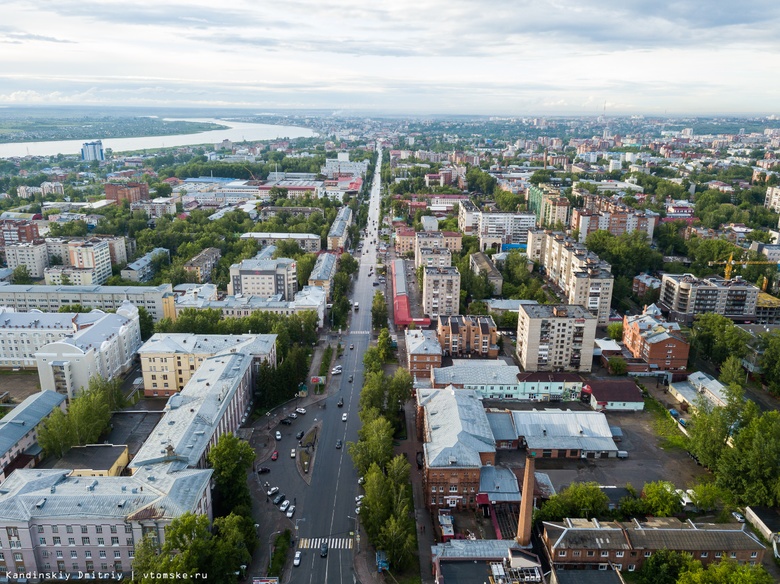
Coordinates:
[683,296]
[482,265]
[30,254]
[144,268]
[323,272]
[203,264]
[555,338]
[308,242]
[438,257]
[338,236]
[423,352]
[659,344]
[441,291]
[91,254]
[469,335]
[264,278]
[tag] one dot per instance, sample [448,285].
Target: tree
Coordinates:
[770,361]
[615,331]
[65,279]
[372,360]
[706,496]
[55,436]
[661,499]
[379,313]
[304,266]
[234,539]
[576,500]
[726,572]
[376,506]
[374,446]
[398,540]
[231,458]
[617,365]
[399,389]
[715,337]
[188,546]
[384,346]
[145,322]
[731,372]
[666,566]
[348,264]
[21,275]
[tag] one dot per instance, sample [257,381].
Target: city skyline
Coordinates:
[551,57]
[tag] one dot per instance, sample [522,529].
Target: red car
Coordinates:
[275,455]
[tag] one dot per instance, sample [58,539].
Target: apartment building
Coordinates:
[405,238]
[452,240]
[591,544]
[265,213]
[659,344]
[323,272]
[264,278]
[581,276]
[503,228]
[91,254]
[58,251]
[60,275]
[439,257]
[555,337]
[31,254]
[158,300]
[457,443]
[772,199]
[547,204]
[170,360]
[644,283]
[203,264]
[144,268]
[106,348]
[17,231]
[157,207]
[23,333]
[468,214]
[19,431]
[308,242]
[308,299]
[441,291]
[683,296]
[469,335]
[600,213]
[423,352]
[338,236]
[482,265]
[132,192]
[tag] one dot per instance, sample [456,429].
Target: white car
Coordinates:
[301,411]
[361,480]
[359,499]
[739,517]
[283,507]
[297,559]
[278,435]
[293,415]
[344,417]
[292,453]
[291,511]
[272,491]
[335,371]
[357,510]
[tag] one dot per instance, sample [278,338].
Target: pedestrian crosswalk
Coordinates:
[334,543]
[359,332]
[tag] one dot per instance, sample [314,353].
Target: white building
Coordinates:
[772,199]
[156,208]
[30,254]
[441,291]
[92,151]
[264,278]
[158,300]
[106,348]
[555,338]
[60,275]
[503,228]
[308,242]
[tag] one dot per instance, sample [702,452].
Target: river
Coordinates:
[236,132]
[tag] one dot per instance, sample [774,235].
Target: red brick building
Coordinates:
[131,192]
[659,344]
[15,231]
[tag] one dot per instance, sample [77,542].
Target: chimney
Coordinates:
[527,502]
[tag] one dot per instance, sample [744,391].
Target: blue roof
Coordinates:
[26,416]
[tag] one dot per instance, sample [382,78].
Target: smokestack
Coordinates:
[527,502]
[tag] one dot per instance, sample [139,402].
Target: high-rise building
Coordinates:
[441,291]
[683,296]
[91,254]
[92,151]
[555,337]
[31,254]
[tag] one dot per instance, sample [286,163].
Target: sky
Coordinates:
[490,57]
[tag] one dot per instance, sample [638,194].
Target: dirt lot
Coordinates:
[19,384]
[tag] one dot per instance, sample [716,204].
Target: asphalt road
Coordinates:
[325,510]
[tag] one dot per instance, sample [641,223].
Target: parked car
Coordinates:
[272,491]
[344,417]
[278,435]
[275,455]
[350,378]
[335,371]
[338,444]
[279,498]
[286,421]
[739,517]
[263,470]
[292,453]
[293,415]
[291,511]
[297,558]
[283,507]
[301,411]
[361,480]
[359,499]
[299,435]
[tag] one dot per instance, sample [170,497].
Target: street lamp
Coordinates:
[296,527]
[270,548]
[357,531]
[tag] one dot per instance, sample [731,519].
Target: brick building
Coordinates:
[423,352]
[468,335]
[659,344]
[132,192]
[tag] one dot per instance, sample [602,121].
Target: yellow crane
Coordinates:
[731,263]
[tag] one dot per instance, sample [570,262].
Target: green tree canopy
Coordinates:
[231,458]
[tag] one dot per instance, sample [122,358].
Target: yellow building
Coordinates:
[95,460]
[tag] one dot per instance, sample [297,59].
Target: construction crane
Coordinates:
[731,263]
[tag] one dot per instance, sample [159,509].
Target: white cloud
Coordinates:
[458,56]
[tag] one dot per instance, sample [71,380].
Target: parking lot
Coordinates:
[646,462]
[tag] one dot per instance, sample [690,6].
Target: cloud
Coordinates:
[14,36]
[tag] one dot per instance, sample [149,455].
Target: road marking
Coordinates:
[335,543]
[359,333]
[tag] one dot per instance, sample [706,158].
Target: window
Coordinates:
[87,554]
[18,557]
[128,529]
[648,554]
[74,554]
[753,554]
[40,529]
[98,529]
[84,541]
[59,553]
[433,489]
[102,554]
[75,566]
[618,567]
[69,528]
[55,529]
[591,553]
[83,529]
[562,553]
[618,554]
[603,567]
[44,553]
[718,554]
[71,541]
[130,541]
[57,541]
[453,488]
[604,553]
[705,554]
[42,540]
[576,553]
[104,566]
[101,541]
[131,553]
[114,541]
[117,554]
[113,529]
[733,555]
